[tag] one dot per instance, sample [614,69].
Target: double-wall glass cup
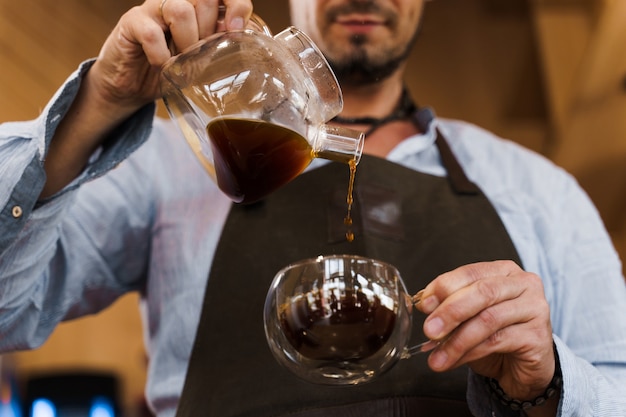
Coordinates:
[339,319]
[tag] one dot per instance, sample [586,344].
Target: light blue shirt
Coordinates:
[144,216]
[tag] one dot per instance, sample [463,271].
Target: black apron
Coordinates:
[423,224]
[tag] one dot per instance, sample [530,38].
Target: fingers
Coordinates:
[476,298]
[137,34]
[188,21]
[208,15]
[512,326]
[237,13]
[449,283]
[472,307]
[182,22]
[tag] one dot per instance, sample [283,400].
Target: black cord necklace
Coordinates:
[403,110]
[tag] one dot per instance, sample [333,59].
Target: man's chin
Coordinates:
[362,71]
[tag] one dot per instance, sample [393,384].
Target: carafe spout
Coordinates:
[338,143]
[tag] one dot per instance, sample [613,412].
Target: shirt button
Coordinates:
[17,212]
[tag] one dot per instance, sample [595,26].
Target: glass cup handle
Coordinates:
[423,347]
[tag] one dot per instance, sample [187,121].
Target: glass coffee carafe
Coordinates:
[254,108]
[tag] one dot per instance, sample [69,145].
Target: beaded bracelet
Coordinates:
[553,388]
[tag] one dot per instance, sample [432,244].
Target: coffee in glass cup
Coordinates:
[339,319]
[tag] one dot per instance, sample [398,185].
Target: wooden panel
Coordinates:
[41,42]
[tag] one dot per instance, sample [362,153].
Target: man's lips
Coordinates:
[360,23]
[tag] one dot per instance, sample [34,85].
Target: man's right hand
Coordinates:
[125,75]
[128,67]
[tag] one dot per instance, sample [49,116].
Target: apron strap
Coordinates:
[458,180]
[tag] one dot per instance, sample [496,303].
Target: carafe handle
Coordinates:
[318,71]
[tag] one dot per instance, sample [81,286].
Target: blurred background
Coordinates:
[549,74]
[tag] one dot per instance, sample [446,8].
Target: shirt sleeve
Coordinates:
[23,146]
[49,270]
[585,288]
[560,236]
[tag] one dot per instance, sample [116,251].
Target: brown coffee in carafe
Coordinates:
[253,157]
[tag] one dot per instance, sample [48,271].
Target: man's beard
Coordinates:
[360,69]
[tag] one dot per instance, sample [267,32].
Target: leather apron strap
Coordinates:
[415,221]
